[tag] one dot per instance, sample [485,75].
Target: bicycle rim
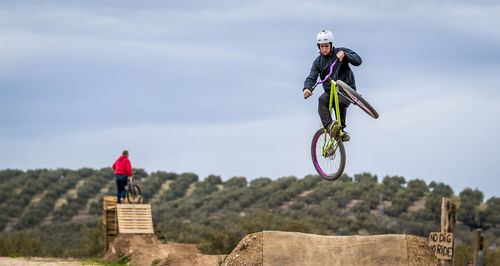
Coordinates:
[331,166]
[134,195]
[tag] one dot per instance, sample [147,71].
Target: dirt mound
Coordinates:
[289,248]
[148,250]
[248,251]
[280,248]
[419,252]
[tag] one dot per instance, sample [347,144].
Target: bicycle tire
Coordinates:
[317,157]
[357,99]
[134,195]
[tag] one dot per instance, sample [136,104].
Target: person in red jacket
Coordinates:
[123,169]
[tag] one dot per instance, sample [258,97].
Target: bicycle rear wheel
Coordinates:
[357,99]
[329,166]
[134,195]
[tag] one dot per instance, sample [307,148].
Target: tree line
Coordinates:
[216,214]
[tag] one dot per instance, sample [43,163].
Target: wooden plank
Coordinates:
[130,217]
[130,231]
[441,245]
[123,218]
[478,246]
[134,222]
[134,214]
[123,205]
[133,218]
[134,206]
[133,226]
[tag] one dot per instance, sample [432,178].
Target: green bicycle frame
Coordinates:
[333,96]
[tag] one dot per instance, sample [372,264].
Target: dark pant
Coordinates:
[324,113]
[121,182]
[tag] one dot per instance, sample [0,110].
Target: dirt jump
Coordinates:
[281,248]
[290,248]
[146,249]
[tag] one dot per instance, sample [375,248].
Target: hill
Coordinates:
[57,212]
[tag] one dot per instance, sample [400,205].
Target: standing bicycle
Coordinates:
[133,191]
[327,149]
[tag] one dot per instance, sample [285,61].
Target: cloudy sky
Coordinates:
[215,87]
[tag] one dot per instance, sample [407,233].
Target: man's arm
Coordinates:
[351,56]
[129,168]
[312,77]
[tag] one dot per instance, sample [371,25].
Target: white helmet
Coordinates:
[325,36]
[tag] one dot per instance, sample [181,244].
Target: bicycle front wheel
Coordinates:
[329,160]
[357,99]
[134,195]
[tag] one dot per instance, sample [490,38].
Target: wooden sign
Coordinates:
[442,245]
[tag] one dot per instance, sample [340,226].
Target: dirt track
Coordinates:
[266,248]
[36,261]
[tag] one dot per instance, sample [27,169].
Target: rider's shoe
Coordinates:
[345,136]
[333,128]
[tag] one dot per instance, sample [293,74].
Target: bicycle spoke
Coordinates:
[356,99]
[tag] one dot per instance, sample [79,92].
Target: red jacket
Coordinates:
[122,166]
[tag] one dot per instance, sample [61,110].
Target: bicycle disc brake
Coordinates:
[330,153]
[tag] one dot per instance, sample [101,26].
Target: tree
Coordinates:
[433,202]
[209,185]
[416,189]
[235,182]
[260,182]
[365,178]
[93,244]
[390,185]
[468,210]
[492,212]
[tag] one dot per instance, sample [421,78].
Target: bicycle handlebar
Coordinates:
[329,74]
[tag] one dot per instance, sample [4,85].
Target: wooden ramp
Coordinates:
[134,219]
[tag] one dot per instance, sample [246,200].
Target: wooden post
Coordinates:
[478,246]
[105,220]
[448,223]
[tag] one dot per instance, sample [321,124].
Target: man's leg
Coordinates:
[343,112]
[324,113]
[124,183]
[119,188]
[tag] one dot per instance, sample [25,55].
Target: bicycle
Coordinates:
[134,195]
[328,152]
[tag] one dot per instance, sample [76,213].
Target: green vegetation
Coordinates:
[58,212]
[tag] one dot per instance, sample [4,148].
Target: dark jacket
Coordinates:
[321,67]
